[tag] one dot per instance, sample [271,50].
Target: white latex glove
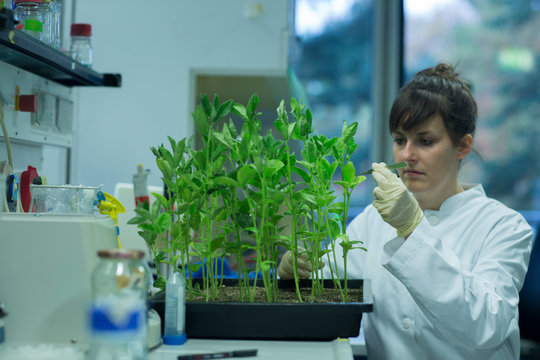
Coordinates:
[395,203]
[285,268]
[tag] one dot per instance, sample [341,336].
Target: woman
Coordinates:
[446,262]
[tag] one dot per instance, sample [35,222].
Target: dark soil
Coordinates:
[230,294]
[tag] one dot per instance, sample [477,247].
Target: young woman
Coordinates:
[446,262]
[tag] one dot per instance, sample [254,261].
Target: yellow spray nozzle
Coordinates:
[109,205]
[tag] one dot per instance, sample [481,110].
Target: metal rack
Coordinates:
[25,52]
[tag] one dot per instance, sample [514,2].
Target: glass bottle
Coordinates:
[81,46]
[57,7]
[47,10]
[118,326]
[29,14]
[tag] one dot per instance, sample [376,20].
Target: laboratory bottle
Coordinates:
[140,187]
[29,14]
[81,46]
[175,310]
[57,6]
[47,10]
[117,319]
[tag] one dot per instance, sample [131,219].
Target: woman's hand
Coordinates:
[394,202]
[285,268]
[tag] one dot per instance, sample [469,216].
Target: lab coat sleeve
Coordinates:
[469,306]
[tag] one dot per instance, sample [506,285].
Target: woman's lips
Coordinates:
[412,173]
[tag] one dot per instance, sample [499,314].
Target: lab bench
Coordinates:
[339,349]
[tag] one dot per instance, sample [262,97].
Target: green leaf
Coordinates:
[195,267]
[164,221]
[252,106]
[225,180]
[244,147]
[144,213]
[232,129]
[162,200]
[348,131]
[246,174]
[148,227]
[224,109]
[201,120]
[348,172]
[304,175]
[136,220]
[271,167]
[160,283]
[156,208]
[207,107]
[239,110]
[281,127]
[224,139]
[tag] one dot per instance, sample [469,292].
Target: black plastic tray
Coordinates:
[273,321]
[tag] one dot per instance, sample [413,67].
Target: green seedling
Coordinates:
[243,191]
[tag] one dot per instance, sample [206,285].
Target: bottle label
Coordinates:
[140,200]
[33,25]
[118,315]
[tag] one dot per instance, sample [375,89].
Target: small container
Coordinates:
[47,32]
[29,14]
[118,326]
[63,199]
[140,187]
[175,310]
[57,8]
[81,46]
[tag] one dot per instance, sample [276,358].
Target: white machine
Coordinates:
[46,261]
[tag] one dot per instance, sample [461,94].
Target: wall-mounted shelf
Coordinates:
[27,53]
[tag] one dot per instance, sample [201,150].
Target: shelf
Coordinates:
[27,53]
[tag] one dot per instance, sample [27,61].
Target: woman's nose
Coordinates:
[409,151]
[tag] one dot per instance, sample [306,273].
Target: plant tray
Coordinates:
[274,321]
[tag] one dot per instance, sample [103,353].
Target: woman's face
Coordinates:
[432,161]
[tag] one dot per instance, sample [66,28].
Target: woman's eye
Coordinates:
[427,142]
[398,141]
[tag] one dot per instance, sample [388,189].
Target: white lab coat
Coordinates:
[451,290]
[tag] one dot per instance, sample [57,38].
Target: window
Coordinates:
[332,62]
[495,45]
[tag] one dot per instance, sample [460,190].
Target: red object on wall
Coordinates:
[27,177]
[28,103]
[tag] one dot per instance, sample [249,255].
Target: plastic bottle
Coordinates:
[118,326]
[29,14]
[81,46]
[175,310]
[140,188]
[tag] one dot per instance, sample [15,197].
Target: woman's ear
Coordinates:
[465,146]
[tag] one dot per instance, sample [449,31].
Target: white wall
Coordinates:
[156,48]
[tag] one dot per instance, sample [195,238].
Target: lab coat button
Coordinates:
[433,220]
[406,323]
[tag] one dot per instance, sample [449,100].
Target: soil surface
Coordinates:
[231,294]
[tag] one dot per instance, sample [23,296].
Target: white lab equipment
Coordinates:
[45,266]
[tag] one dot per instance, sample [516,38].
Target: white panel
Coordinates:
[45,268]
[40,127]
[115,127]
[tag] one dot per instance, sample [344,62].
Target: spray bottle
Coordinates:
[140,188]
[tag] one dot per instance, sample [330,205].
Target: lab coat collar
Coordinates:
[459,200]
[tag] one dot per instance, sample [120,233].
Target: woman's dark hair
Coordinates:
[436,90]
